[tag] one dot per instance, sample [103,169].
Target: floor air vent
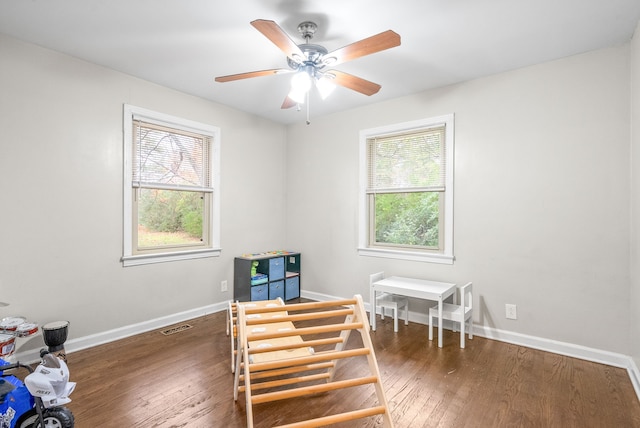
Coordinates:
[177,329]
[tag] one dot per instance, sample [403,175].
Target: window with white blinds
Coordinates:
[406,191]
[412,161]
[171,191]
[170,158]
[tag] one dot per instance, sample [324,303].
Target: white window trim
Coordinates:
[444,257]
[128,258]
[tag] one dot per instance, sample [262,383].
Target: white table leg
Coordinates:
[440,322]
[372,313]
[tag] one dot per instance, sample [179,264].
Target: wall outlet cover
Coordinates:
[511,312]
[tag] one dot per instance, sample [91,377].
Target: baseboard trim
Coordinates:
[33,355]
[634,375]
[542,344]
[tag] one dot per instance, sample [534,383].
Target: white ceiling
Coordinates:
[184,44]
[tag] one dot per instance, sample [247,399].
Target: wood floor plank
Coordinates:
[184,380]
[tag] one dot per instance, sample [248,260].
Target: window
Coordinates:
[171,192]
[406,191]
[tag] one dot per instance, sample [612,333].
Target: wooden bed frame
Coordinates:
[274,356]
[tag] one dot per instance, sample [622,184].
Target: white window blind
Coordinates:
[412,161]
[167,158]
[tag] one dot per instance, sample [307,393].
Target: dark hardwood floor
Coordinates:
[184,380]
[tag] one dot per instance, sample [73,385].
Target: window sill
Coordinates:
[168,257]
[407,255]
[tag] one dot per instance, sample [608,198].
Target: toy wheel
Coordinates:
[59,417]
[27,419]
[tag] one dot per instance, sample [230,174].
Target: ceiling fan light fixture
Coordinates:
[297,95]
[325,86]
[301,81]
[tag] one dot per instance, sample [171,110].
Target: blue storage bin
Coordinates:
[276,268]
[260,292]
[292,288]
[276,289]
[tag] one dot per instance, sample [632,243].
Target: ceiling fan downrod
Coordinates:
[307,29]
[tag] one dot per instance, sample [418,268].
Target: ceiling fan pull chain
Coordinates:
[308,108]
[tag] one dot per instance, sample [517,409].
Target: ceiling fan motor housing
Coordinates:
[313,55]
[313,60]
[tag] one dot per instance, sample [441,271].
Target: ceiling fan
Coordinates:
[308,61]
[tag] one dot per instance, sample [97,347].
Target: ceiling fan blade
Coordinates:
[288,103]
[278,37]
[385,40]
[250,74]
[355,83]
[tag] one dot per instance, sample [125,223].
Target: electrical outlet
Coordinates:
[511,312]
[223,285]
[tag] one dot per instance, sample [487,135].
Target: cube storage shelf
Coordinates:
[267,276]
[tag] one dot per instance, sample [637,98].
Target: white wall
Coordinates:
[541,197]
[61,187]
[634,321]
[541,211]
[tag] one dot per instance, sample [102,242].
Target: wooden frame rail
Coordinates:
[281,352]
[232,320]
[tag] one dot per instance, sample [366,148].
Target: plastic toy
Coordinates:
[39,401]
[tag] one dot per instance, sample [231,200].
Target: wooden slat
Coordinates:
[287,381]
[334,419]
[290,370]
[302,306]
[313,389]
[325,356]
[305,330]
[304,344]
[302,317]
[288,346]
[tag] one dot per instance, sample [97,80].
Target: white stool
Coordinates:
[395,303]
